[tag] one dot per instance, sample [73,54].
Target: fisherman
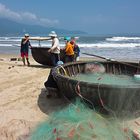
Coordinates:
[69,50]
[51,85]
[25,44]
[55,49]
[76,49]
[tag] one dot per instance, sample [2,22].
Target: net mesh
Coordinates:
[117,93]
[108,79]
[78,122]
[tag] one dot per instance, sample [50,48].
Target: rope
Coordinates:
[103,105]
[77,90]
[63,69]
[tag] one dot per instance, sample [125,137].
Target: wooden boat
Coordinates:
[42,56]
[113,97]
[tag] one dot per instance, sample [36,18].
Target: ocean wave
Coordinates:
[6,45]
[113,42]
[110,45]
[10,38]
[115,39]
[81,45]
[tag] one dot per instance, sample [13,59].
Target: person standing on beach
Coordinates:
[76,49]
[25,44]
[55,49]
[69,50]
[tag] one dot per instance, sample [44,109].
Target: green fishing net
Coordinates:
[78,122]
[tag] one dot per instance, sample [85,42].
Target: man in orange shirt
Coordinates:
[69,50]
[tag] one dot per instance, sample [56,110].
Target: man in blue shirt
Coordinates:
[25,44]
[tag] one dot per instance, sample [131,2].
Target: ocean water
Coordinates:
[115,47]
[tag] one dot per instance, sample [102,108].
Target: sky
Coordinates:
[91,16]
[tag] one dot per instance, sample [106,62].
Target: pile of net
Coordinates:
[78,122]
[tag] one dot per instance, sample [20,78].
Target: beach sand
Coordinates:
[23,102]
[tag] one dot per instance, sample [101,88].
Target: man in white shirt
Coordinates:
[55,49]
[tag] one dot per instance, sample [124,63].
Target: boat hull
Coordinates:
[42,56]
[114,97]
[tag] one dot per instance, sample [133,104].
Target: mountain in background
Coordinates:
[12,28]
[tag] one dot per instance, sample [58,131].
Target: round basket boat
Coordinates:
[42,56]
[114,97]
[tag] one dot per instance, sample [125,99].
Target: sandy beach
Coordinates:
[23,102]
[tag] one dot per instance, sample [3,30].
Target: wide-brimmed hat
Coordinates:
[26,35]
[53,34]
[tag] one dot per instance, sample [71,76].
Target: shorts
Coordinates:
[24,54]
